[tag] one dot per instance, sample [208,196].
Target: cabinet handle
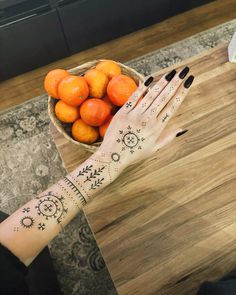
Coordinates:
[18,20]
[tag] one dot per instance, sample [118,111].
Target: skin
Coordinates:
[135,133]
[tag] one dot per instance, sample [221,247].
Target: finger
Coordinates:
[169,136]
[170,90]
[173,105]
[134,98]
[154,92]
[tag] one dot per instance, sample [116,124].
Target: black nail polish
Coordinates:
[148,81]
[170,76]
[181,132]
[184,72]
[188,82]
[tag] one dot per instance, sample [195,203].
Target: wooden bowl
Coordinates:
[65,128]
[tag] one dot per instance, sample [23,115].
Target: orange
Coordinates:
[113,108]
[73,90]
[109,68]
[52,81]
[103,128]
[83,132]
[94,111]
[120,89]
[97,82]
[66,113]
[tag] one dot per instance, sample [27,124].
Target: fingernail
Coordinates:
[188,82]
[148,81]
[170,76]
[181,132]
[184,72]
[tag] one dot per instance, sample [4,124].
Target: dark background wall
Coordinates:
[36,32]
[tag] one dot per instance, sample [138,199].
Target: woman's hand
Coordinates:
[136,131]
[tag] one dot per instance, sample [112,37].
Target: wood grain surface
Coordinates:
[23,87]
[168,224]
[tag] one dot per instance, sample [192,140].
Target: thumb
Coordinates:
[167,137]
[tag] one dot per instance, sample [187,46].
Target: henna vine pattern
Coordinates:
[51,206]
[85,170]
[96,184]
[131,139]
[94,174]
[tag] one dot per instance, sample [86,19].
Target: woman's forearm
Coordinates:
[135,133]
[27,231]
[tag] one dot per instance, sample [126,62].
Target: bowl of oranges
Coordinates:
[82,101]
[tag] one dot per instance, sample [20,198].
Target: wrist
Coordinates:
[111,160]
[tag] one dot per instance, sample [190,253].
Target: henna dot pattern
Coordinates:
[51,206]
[27,222]
[130,139]
[115,157]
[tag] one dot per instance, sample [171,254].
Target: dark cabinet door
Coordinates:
[29,43]
[184,5]
[89,22]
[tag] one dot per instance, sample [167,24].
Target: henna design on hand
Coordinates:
[165,117]
[130,139]
[128,105]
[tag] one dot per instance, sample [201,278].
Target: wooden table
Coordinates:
[169,223]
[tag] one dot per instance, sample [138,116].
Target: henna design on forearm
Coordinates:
[26,210]
[85,170]
[94,174]
[27,222]
[41,226]
[96,184]
[76,190]
[51,206]
[69,193]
